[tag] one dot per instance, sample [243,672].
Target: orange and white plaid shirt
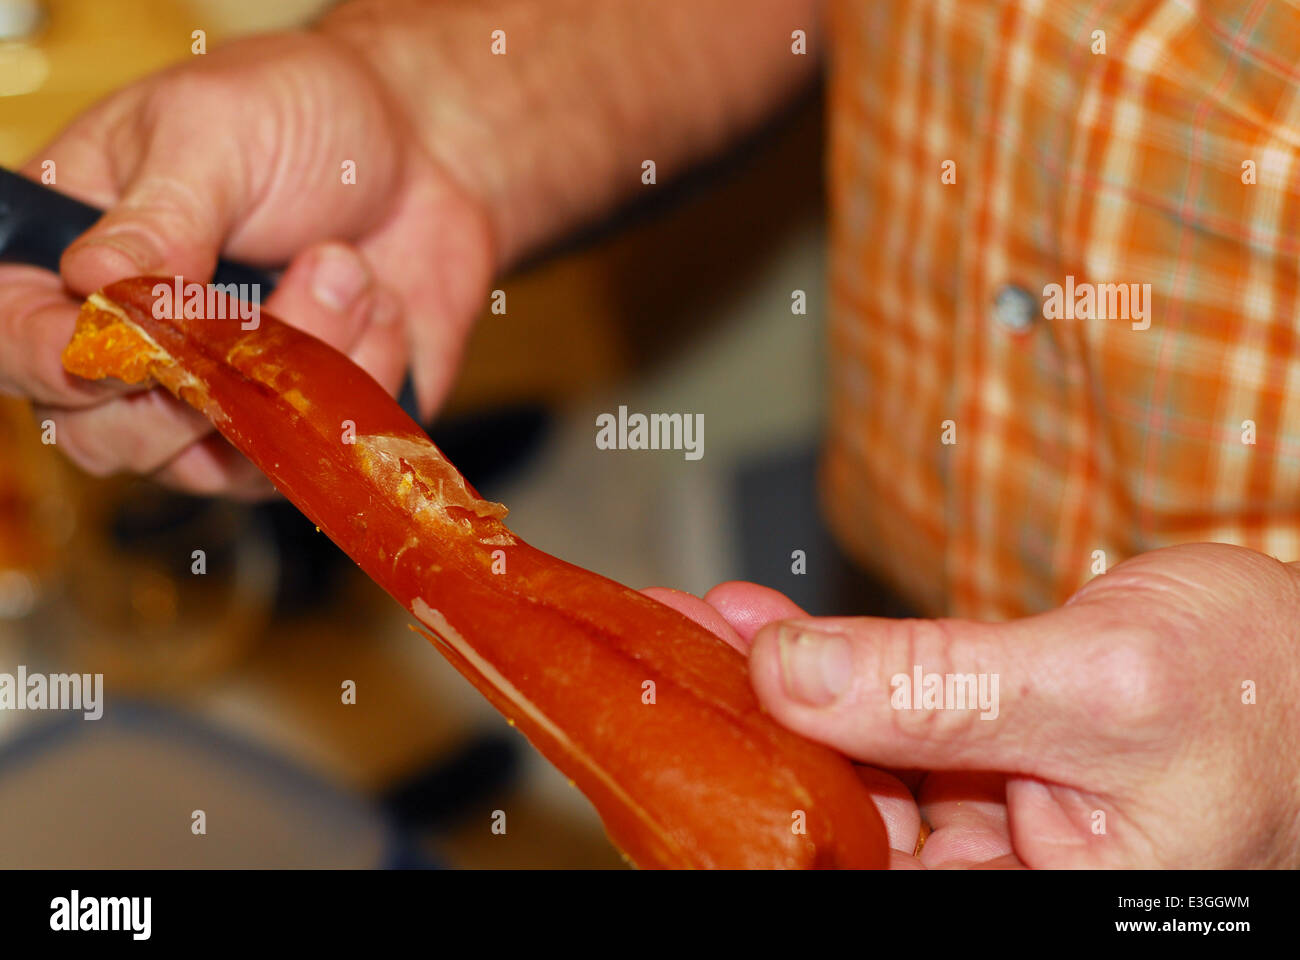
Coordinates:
[1170,159]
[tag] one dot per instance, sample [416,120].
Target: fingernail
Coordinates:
[339,279]
[815,667]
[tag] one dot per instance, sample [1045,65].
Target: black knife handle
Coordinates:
[37,224]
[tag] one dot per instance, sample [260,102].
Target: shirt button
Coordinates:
[1016,308]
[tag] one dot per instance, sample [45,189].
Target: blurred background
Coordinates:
[223,691]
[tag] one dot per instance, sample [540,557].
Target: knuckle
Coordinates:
[168,206]
[920,657]
[190,89]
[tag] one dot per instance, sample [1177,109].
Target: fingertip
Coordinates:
[765,668]
[339,277]
[382,349]
[436,347]
[896,805]
[428,391]
[38,319]
[212,467]
[804,678]
[814,663]
[327,290]
[747,607]
[697,610]
[98,259]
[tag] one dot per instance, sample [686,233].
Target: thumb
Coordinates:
[936,694]
[170,220]
[330,291]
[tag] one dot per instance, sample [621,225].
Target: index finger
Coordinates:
[36,321]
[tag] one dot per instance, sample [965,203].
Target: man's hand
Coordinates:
[243,151]
[1152,721]
[470,152]
[736,612]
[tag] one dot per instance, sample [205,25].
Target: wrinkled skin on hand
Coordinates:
[1162,702]
[241,152]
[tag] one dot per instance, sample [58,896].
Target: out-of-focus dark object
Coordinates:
[160,589]
[776,506]
[456,784]
[489,445]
